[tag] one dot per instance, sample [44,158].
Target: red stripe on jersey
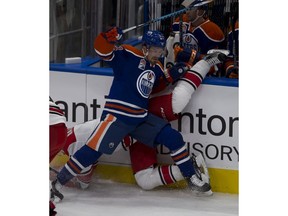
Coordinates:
[55,110]
[194,78]
[71,138]
[166,175]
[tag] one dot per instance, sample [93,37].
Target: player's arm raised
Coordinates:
[104,43]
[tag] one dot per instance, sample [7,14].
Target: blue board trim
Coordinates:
[85,68]
[73,68]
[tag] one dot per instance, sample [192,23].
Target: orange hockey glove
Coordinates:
[231,70]
[185,55]
[113,35]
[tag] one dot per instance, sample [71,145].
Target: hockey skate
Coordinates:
[199,186]
[215,57]
[200,167]
[200,182]
[55,194]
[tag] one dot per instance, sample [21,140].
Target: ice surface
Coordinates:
[106,198]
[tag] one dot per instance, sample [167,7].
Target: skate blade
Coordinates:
[56,199]
[82,185]
[204,194]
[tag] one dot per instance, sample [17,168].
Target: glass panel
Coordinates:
[66,28]
[75,23]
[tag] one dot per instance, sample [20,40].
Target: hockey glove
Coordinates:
[232,72]
[113,35]
[176,72]
[185,55]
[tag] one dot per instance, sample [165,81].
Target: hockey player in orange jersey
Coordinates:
[198,33]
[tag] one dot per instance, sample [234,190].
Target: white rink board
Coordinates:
[209,124]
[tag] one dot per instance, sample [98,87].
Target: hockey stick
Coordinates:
[233,18]
[181,30]
[196,3]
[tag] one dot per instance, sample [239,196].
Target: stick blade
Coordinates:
[200,3]
[187,3]
[195,3]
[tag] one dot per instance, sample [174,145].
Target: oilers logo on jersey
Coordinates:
[190,42]
[145,83]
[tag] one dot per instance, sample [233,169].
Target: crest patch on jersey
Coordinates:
[142,64]
[145,83]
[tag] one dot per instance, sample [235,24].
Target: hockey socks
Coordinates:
[81,159]
[173,140]
[169,174]
[183,161]
[196,74]
[151,177]
[187,85]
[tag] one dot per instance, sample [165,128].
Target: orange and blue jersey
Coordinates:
[186,24]
[202,38]
[125,112]
[209,36]
[134,78]
[233,39]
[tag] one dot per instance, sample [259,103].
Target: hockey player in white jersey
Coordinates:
[57,137]
[57,129]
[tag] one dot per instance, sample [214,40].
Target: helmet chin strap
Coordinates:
[145,52]
[198,17]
